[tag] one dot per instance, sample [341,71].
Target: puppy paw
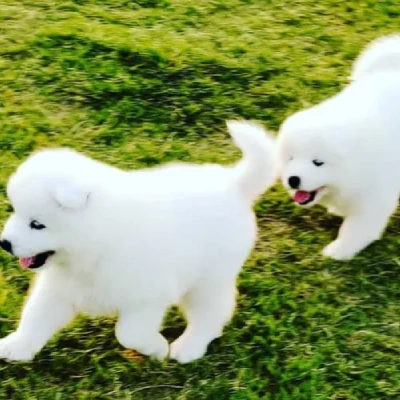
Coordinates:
[157,347]
[159,350]
[14,348]
[185,349]
[338,251]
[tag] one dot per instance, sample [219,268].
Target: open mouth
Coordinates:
[35,261]
[304,197]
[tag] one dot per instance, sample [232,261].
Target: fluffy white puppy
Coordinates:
[132,243]
[345,152]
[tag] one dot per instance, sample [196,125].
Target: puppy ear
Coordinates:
[70,194]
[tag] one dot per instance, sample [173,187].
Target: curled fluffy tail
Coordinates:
[382,54]
[255,172]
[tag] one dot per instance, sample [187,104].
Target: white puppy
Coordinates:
[345,152]
[131,244]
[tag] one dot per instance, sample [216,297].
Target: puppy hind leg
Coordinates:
[207,308]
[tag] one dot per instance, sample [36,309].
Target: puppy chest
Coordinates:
[95,300]
[94,305]
[336,205]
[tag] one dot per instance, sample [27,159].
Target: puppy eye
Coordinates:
[318,163]
[36,225]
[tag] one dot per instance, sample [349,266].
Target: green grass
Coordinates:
[141,83]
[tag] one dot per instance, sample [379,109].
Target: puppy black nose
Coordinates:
[294,182]
[6,245]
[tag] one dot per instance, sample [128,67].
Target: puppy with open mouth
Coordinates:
[344,152]
[132,243]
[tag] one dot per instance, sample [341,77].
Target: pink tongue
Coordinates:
[26,262]
[301,196]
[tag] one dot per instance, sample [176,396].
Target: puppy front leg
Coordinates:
[360,230]
[44,314]
[139,330]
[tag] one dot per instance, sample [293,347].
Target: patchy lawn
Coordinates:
[138,83]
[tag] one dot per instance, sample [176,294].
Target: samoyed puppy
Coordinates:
[344,153]
[132,243]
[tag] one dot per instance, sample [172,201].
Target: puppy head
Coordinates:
[312,153]
[45,193]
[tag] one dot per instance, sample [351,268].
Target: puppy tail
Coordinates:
[255,172]
[382,54]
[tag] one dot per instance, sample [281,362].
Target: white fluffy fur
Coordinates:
[357,135]
[133,243]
